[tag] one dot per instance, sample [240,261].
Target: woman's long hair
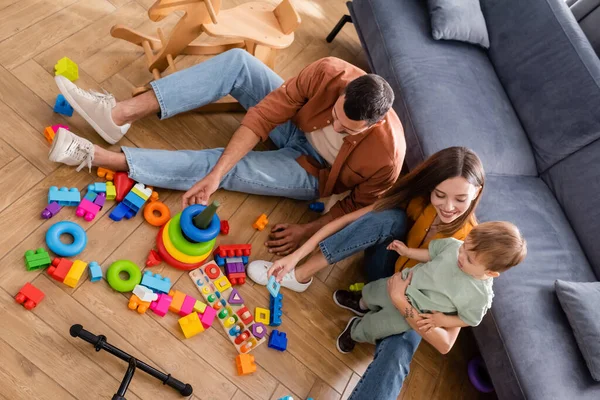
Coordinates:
[445,164]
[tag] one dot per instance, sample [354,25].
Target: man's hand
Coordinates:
[201,191]
[282,267]
[434,320]
[285,238]
[399,247]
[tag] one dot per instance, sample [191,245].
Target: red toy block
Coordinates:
[224,227]
[29,296]
[233,250]
[60,268]
[153,259]
[245,315]
[123,184]
[237,278]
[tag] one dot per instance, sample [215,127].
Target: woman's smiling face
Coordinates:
[452,198]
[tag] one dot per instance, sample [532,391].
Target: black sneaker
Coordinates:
[345,344]
[349,301]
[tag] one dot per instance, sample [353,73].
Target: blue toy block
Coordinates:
[121,211]
[275,304]
[91,196]
[157,283]
[64,196]
[97,187]
[133,201]
[288,398]
[278,340]
[273,286]
[245,259]
[95,271]
[62,106]
[317,206]
[219,260]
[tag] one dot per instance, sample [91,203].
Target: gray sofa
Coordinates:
[530,107]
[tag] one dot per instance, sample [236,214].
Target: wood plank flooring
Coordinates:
[38,358]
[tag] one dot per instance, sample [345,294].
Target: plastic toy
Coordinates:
[97,187]
[153,259]
[287,398]
[95,271]
[49,134]
[245,364]
[208,316]
[105,173]
[123,184]
[37,260]
[191,325]
[136,304]
[357,287]
[137,197]
[165,256]
[273,286]
[188,306]
[74,274]
[234,269]
[121,285]
[478,375]
[87,209]
[199,307]
[66,250]
[224,227]
[121,211]
[259,330]
[51,210]
[183,244]
[67,68]
[235,319]
[203,220]
[278,340]
[261,222]
[178,299]
[262,315]
[156,282]
[90,196]
[316,206]
[154,207]
[62,106]
[194,234]
[176,253]
[144,294]
[235,298]
[100,200]
[275,309]
[64,196]
[161,305]
[59,269]
[111,191]
[29,296]
[233,250]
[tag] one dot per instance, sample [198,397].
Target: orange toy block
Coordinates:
[136,304]
[178,299]
[245,364]
[106,173]
[49,134]
[261,222]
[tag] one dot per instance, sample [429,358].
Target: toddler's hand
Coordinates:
[431,321]
[399,247]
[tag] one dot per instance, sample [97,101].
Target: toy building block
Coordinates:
[156,282]
[275,304]
[100,200]
[260,222]
[208,317]
[75,273]
[178,299]
[199,307]
[37,260]
[245,364]
[357,287]
[123,184]
[273,286]
[95,271]
[262,315]
[137,197]
[144,294]
[97,187]
[51,210]
[278,340]
[49,134]
[235,298]
[161,305]
[87,210]
[105,173]
[153,259]
[203,220]
[67,68]
[191,325]
[59,269]
[90,196]
[64,196]
[111,191]
[317,206]
[233,250]
[287,398]
[135,303]
[259,330]
[121,211]
[222,284]
[29,296]
[188,306]
[62,106]
[224,227]
[234,270]
[245,315]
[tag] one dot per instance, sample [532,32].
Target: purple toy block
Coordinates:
[100,200]
[259,330]
[235,298]
[87,210]
[208,317]
[51,210]
[161,305]
[188,306]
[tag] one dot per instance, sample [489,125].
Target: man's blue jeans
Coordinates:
[271,173]
[372,233]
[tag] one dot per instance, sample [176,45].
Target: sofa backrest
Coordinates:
[550,73]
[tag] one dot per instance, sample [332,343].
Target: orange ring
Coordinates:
[162,208]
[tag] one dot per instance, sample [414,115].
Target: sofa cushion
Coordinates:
[526,321]
[460,20]
[580,301]
[549,71]
[447,93]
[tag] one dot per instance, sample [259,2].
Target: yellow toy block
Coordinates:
[67,68]
[261,222]
[245,364]
[199,307]
[222,284]
[75,273]
[191,325]
[111,191]
[262,315]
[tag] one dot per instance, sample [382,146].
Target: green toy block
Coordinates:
[38,260]
[67,68]
[202,220]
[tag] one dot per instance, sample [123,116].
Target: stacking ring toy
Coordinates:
[66,250]
[159,207]
[178,255]
[182,244]
[115,281]
[193,233]
[162,251]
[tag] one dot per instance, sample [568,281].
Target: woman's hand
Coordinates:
[282,267]
[397,287]
[431,321]
[399,247]
[201,191]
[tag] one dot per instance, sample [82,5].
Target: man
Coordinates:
[333,125]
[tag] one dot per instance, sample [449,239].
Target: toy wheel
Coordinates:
[66,250]
[159,207]
[123,285]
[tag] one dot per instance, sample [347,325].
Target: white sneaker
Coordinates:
[257,271]
[70,149]
[94,107]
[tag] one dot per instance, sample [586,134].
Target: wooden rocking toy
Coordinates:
[258,27]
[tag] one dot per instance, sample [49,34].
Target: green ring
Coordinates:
[115,281]
[183,245]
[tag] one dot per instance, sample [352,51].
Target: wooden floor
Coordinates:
[38,358]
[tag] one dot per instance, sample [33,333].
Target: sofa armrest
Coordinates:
[581,8]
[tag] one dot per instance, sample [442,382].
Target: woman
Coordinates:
[438,198]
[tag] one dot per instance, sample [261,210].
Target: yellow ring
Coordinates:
[178,255]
